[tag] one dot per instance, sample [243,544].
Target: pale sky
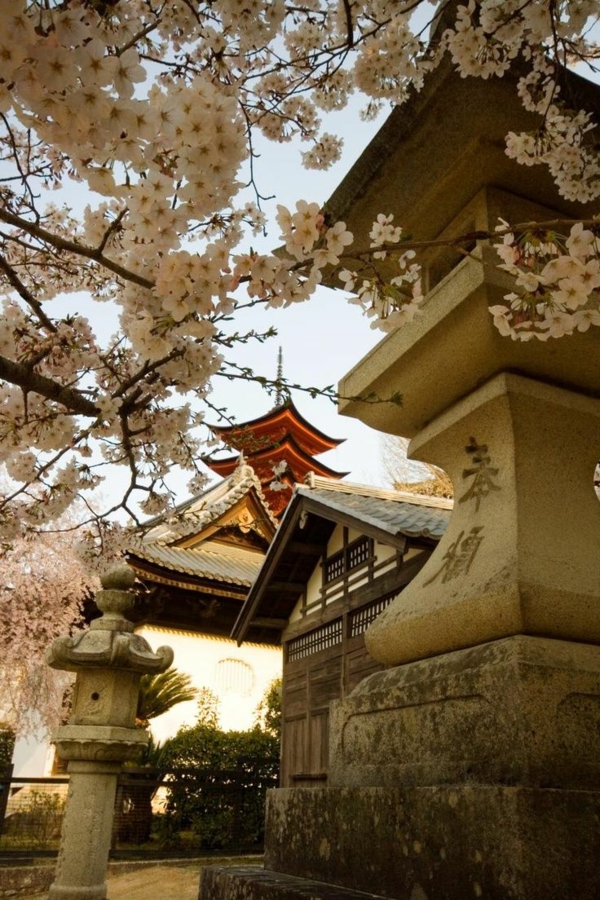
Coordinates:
[323,338]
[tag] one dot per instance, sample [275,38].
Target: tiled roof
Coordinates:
[371,510]
[392,511]
[207,559]
[229,564]
[201,511]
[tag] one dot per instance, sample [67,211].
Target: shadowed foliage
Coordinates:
[160,693]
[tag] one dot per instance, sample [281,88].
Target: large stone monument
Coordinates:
[471,766]
[109,660]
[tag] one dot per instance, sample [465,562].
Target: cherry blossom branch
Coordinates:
[21,375]
[163,145]
[63,244]
[469,236]
[273,385]
[26,294]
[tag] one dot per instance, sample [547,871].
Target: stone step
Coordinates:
[256,883]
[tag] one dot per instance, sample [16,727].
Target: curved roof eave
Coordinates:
[279,412]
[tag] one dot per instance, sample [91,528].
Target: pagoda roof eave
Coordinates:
[287,413]
[299,462]
[319,469]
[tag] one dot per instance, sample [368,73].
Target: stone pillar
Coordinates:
[109,660]
[470,767]
[520,555]
[473,762]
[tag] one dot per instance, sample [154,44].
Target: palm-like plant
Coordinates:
[160,693]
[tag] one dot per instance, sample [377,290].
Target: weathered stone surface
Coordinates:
[86,831]
[516,557]
[451,842]
[21,881]
[522,710]
[253,883]
[451,349]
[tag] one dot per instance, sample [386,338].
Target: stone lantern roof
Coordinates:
[439,165]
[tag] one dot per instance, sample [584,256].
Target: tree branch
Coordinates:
[518,230]
[26,294]
[22,375]
[59,243]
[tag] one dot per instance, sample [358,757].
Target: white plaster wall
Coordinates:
[198,656]
[384,551]
[336,541]
[33,756]
[297,611]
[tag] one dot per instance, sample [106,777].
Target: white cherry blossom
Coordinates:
[150,110]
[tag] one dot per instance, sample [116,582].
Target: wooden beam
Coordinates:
[302,549]
[265,622]
[289,587]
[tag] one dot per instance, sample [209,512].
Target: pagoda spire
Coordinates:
[279,378]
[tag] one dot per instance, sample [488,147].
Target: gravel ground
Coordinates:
[163,881]
[166,882]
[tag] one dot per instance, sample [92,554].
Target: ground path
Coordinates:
[165,880]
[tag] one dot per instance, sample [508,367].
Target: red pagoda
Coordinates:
[281,441]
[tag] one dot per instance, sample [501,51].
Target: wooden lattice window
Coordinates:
[320,639]
[362,618]
[358,552]
[352,556]
[334,567]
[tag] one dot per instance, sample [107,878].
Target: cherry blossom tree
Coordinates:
[42,590]
[152,110]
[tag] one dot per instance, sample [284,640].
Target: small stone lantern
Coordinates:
[109,660]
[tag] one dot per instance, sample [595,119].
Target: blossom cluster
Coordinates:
[44,585]
[152,111]
[491,34]
[390,295]
[557,283]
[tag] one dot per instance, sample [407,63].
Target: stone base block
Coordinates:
[67,892]
[253,883]
[518,711]
[451,842]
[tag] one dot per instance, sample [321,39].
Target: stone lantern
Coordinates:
[109,660]
[470,766]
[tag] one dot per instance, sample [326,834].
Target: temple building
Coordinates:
[341,554]
[198,563]
[317,559]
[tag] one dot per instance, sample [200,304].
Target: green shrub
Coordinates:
[37,820]
[220,784]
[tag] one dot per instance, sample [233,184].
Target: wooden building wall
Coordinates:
[325,657]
